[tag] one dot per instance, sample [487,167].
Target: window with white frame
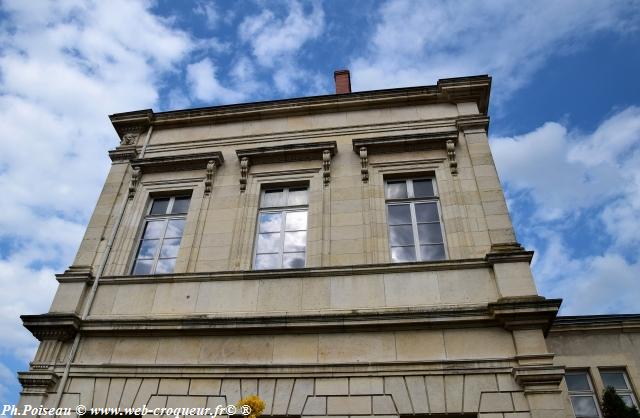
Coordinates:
[583,398]
[281,237]
[161,235]
[619,380]
[415,229]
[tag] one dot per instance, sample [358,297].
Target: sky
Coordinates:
[565,116]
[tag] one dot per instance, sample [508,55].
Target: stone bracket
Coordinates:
[539,379]
[133,183]
[451,154]
[37,381]
[364,164]
[287,153]
[51,326]
[525,312]
[208,182]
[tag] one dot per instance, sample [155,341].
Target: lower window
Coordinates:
[618,380]
[583,398]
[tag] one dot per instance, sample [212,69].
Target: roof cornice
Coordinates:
[450,90]
[597,323]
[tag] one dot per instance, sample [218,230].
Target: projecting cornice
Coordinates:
[51,326]
[597,323]
[450,90]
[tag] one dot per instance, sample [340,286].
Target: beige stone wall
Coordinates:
[594,351]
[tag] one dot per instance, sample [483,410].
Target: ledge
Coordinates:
[525,312]
[51,326]
[283,322]
[288,152]
[37,382]
[177,162]
[451,90]
[597,323]
[539,379]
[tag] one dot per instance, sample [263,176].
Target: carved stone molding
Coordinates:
[525,312]
[323,151]
[244,173]
[123,153]
[177,162]
[326,167]
[133,183]
[364,164]
[51,326]
[473,123]
[539,379]
[76,274]
[130,125]
[451,154]
[208,182]
[37,381]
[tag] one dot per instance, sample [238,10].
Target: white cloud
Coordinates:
[65,66]
[204,86]
[276,43]
[576,181]
[418,42]
[208,10]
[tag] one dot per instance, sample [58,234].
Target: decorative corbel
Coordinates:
[244,172]
[130,134]
[208,182]
[326,166]
[133,184]
[364,164]
[451,153]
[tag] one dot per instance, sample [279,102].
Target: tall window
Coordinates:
[415,233]
[160,240]
[619,380]
[281,240]
[583,398]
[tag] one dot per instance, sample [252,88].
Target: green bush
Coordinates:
[614,407]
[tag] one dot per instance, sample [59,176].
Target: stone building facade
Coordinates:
[339,255]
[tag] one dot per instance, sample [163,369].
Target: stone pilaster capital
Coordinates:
[539,379]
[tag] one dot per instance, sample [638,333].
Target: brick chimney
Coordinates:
[343,81]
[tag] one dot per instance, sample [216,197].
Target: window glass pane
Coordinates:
[165,265]
[402,254]
[270,222]
[293,261]
[272,198]
[577,382]
[181,204]
[175,228]
[615,379]
[148,248]
[269,243]
[422,188]
[397,189]
[627,400]
[170,248]
[296,221]
[153,229]
[432,252]
[584,406]
[429,233]
[427,212]
[159,206]
[399,215]
[267,261]
[297,196]
[400,235]
[295,241]
[143,267]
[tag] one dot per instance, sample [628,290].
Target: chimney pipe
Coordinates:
[343,81]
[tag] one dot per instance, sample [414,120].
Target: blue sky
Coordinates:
[565,115]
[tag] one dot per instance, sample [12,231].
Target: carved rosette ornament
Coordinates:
[326,166]
[244,172]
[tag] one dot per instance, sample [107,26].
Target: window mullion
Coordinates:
[414,228]
[283,223]
[156,257]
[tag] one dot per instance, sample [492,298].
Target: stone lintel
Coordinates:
[52,326]
[288,152]
[177,162]
[37,381]
[525,312]
[539,379]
